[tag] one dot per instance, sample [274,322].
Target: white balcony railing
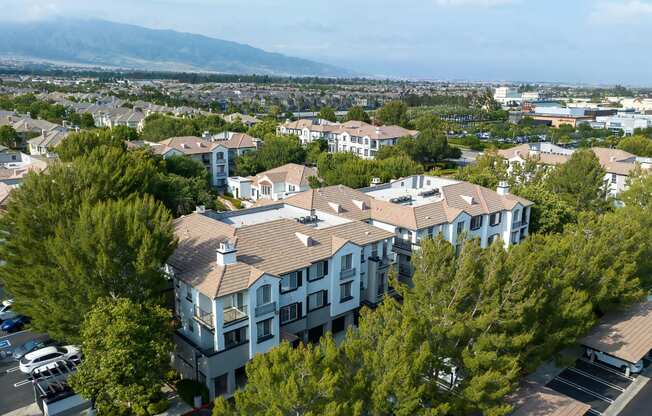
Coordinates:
[204,317]
[234,314]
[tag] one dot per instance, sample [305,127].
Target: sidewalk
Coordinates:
[30,410]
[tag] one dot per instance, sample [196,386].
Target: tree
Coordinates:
[72,238]
[8,136]
[327,113]
[314,149]
[84,142]
[124,133]
[393,113]
[638,145]
[263,129]
[186,167]
[488,170]
[639,190]
[357,113]
[274,152]
[127,347]
[580,182]
[86,121]
[550,212]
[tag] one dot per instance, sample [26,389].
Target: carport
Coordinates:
[626,335]
[533,399]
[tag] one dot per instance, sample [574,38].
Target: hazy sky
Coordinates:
[593,41]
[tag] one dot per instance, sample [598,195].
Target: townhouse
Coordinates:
[214,156]
[237,143]
[618,164]
[293,270]
[355,137]
[274,184]
[46,142]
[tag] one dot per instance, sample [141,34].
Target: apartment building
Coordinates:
[293,270]
[274,184]
[237,143]
[214,156]
[247,280]
[617,163]
[355,137]
[625,123]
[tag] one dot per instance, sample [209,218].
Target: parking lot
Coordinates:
[15,390]
[596,384]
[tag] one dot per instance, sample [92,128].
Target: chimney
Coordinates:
[375,181]
[226,253]
[200,209]
[503,188]
[305,239]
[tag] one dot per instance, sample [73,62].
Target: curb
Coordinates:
[619,404]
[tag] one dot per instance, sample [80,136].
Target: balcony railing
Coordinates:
[516,224]
[204,317]
[233,314]
[220,161]
[345,274]
[265,309]
[402,244]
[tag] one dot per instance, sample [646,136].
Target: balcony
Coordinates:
[517,224]
[203,317]
[265,309]
[233,315]
[402,244]
[382,262]
[220,161]
[346,274]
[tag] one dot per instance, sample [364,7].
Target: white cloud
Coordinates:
[621,12]
[473,3]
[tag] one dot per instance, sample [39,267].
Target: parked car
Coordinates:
[31,345]
[6,311]
[14,324]
[626,367]
[48,355]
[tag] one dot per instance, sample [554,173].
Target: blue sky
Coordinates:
[590,41]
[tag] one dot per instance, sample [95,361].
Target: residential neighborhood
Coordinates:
[220,210]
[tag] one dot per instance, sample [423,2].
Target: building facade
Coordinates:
[291,271]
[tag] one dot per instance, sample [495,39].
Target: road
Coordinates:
[641,404]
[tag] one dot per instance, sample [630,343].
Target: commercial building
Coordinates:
[625,123]
[355,137]
[293,270]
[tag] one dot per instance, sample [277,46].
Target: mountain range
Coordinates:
[116,45]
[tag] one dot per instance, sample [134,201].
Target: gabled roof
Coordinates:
[50,138]
[291,173]
[239,141]
[533,399]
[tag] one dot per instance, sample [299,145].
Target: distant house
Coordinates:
[357,137]
[46,142]
[617,163]
[214,156]
[244,119]
[274,184]
[13,171]
[111,117]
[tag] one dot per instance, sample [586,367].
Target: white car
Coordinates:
[6,311]
[627,367]
[48,355]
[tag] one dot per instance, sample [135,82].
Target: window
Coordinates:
[345,291]
[221,384]
[235,337]
[220,156]
[524,216]
[265,190]
[381,284]
[263,295]
[460,227]
[291,188]
[191,327]
[290,313]
[240,377]
[613,178]
[318,270]
[495,218]
[317,300]
[515,237]
[493,238]
[374,250]
[347,262]
[264,330]
[290,282]
[338,325]
[189,293]
[476,222]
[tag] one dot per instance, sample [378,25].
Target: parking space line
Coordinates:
[594,412]
[13,369]
[599,380]
[585,390]
[22,383]
[604,367]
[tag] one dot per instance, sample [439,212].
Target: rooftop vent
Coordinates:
[401,199]
[468,199]
[430,192]
[335,207]
[360,204]
[200,209]
[308,219]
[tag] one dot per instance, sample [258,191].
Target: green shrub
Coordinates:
[158,407]
[139,410]
[188,389]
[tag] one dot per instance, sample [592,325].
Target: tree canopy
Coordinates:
[393,113]
[127,347]
[357,113]
[327,113]
[275,151]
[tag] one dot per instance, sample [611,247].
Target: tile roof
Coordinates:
[272,247]
[50,138]
[290,173]
[354,128]
[624,334]
[239,141]
[189,145]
